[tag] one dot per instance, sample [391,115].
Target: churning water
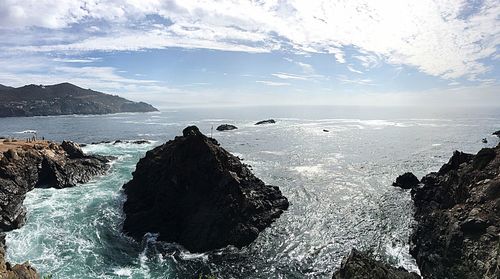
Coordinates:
[338,184]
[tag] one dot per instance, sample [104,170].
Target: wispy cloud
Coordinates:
[447,39]
[272,83]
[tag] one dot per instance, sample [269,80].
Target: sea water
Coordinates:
[338,184]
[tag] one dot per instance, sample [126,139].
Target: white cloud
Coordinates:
[445,38]
[354,70]
[272,83]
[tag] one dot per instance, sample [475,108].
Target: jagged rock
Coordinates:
[18,271]
[73,149]
[406,181]
[358,265]
[40,168]
[269,121]
[193,192]
[226,127]
[497,133]
[458,218]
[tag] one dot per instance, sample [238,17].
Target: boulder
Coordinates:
[18,271]
[226,127]
[457,214]
[269,121]
[193,192]
[497,133]
[406,181]
[72,149]
[358,265]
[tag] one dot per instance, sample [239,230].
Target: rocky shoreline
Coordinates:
[41,164]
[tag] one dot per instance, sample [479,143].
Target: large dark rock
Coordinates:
[226,127]
[406,181]
[22,170]
[193,192]
[269,121]
[25,168]
[458,218]
[497,133]
[358,265]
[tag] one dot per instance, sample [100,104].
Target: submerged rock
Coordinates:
[358,265]
[458,218]
[193,192]
[226,127]
[269,121]
[406,181]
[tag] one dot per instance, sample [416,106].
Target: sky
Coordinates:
[276,52]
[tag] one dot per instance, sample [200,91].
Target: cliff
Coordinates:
[61,99]
[457,210]
[24,166]
[193,192]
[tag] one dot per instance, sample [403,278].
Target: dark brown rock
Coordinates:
[193,192]
[226,127]
[406,181]
[358,265]
[269,121]
[458,218]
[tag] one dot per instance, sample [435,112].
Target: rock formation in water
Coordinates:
[406,181]
[25,166]
[497,133]
[269,121]
[18,271]
[358,265]
[458,218]
[61,99]
[226,127]
[193,192]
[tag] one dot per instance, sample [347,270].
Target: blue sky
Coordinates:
[206,53]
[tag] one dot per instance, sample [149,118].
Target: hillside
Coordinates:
[62,99]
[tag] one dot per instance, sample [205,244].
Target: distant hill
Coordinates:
[61,99]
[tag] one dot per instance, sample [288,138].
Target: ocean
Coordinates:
[338,184]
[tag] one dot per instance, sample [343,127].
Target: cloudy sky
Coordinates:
[238,52]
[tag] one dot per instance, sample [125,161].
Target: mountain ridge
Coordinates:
[63,99]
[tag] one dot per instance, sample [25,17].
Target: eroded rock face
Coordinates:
[193,192]
[25,168]
[358,265]
[458,218]
[56,166]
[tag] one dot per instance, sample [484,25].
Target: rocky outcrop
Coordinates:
[269,121]
[497,133]
[458,218]
[53,165]
[25,167]
[406,181]
[358,265]
[193,192]
[18,271]
[226,127]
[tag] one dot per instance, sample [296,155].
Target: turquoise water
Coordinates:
[338,183]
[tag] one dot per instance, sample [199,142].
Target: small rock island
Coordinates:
[63,99]
[193,192]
